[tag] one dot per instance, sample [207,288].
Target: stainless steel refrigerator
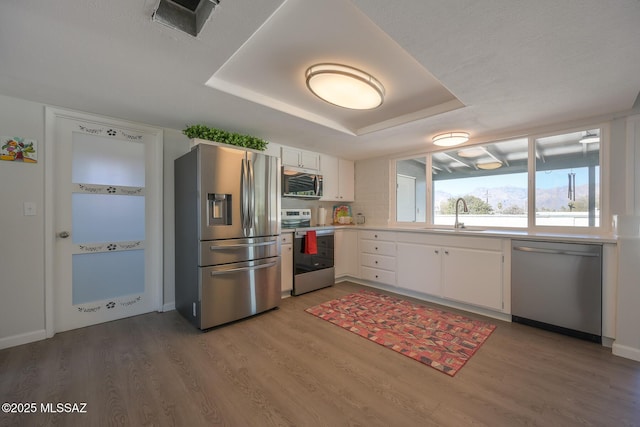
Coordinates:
[227,223]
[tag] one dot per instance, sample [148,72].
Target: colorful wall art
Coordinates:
[15,148]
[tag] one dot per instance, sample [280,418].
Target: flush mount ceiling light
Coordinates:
[472,152]
[589,138]
[345,86]
[450,139]
[489,165]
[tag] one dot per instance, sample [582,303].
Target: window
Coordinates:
[494,179]
[568,180]
[411,190]
[491,178]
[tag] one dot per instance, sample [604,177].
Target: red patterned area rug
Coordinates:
[444,341]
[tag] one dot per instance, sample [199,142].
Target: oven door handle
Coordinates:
[319,233]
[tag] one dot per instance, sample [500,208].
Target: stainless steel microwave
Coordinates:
[301,183]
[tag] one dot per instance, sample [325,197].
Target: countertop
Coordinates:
[475,232]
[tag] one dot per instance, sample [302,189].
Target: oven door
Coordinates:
[305,263]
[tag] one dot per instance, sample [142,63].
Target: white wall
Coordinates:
[627,343]
[372,190]
[175,145]
[21,237]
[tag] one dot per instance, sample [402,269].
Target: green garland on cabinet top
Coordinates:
[219,135]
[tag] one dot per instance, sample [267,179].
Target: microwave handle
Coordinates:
[316,185]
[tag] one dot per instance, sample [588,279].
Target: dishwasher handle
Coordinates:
[554,251]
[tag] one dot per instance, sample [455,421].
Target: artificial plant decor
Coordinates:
[219,135]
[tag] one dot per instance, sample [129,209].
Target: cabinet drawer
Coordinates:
[286,238]
[378,261]
[379,248]
[377,235]
[381,276]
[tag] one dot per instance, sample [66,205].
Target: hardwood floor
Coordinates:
[289,368]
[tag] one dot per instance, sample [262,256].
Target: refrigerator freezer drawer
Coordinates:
[235,291]
[215,252]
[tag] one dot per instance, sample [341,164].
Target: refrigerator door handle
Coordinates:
[244,196]
[242,245]
[235,270]
[252,195]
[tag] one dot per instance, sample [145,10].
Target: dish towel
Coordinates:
[311,243]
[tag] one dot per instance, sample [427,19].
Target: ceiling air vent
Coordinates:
[188,16]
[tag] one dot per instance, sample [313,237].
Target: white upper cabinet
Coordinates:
[338,179]
[300,158]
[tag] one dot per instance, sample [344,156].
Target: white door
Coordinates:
[406,198]
[107,212]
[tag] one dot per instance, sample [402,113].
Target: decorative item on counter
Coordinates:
[342,214]
[222,136]
[360,218]
[18,149]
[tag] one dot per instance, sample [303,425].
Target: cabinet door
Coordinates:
[290,157]
[419,268]
[473,276]
[287,268]
[346,181]
[346,253]
[309,160]
[330,171]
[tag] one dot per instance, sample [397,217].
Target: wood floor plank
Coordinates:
[289,368]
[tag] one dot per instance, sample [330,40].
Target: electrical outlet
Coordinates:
[29,208]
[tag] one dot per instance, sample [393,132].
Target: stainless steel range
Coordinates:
[312,271]
[295,218]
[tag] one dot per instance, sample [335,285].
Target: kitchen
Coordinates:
[23,319]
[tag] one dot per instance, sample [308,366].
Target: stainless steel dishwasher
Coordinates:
[558,287]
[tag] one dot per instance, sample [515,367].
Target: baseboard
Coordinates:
[169,307]
[626,352]
[607,342]
[16,340]
[506,317]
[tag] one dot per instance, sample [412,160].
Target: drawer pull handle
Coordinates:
[375,235]
[437,251]
[376,276]
[376,248]
[376,262]
[446,252]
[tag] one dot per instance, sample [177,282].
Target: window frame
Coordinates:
[604,197]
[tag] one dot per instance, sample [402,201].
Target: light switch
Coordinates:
[29,208]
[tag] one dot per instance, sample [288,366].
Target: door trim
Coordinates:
[154,193]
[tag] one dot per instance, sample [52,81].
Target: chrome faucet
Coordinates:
[464,208]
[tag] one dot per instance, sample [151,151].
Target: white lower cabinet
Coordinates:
[419,268]
[286,262]
[378,256]
[473,276]
[346,253]
[463,269]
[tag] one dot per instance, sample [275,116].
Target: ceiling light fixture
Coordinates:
[472,152]
[450,139]
[589,138]
[345,86]
[489,165]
